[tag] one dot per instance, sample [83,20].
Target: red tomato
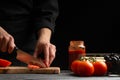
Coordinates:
[74,66]
[82,68]
[30,66]
[4,63]
[100,68]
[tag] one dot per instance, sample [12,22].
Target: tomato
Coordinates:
[82,68]
[74,66]
[4,63]
[30,66]
[100,68]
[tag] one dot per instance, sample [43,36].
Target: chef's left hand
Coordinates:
[44,47]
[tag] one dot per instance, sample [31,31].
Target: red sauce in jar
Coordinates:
[76,50]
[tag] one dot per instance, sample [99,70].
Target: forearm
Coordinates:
[44,34]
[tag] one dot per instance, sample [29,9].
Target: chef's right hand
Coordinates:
[6,41]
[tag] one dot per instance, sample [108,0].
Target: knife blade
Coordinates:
[27,58]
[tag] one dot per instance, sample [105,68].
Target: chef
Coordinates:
[29,25]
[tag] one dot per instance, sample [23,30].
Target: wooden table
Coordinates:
[64,75]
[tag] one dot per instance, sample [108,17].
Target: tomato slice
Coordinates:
[30,66]
[5,63]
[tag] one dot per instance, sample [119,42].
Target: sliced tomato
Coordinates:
[30,66]
[5,63]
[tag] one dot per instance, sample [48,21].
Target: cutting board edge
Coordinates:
[25,70]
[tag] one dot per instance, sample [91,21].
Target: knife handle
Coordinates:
[14,52]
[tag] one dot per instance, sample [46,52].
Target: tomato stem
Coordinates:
[91,59]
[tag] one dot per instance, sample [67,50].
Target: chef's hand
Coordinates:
[44,47]
[6,41]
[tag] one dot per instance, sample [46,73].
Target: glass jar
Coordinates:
[76,50]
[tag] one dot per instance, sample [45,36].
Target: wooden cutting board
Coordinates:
[25,70]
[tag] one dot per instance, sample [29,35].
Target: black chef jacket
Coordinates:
[23,18]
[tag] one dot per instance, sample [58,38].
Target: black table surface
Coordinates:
[64,75]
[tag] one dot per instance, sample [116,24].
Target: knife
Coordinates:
[27,58]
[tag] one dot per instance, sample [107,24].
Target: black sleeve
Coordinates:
[45,13]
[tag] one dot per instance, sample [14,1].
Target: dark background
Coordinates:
[94,22]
